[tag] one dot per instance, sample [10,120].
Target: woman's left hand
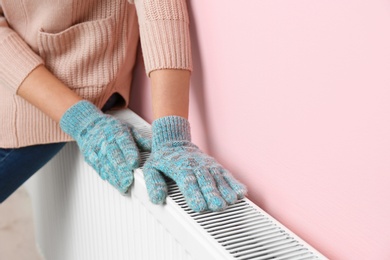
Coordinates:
[205,184]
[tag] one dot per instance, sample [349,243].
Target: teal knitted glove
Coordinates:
[205,184]
[106,143]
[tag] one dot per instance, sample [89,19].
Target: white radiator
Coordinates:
[79,216]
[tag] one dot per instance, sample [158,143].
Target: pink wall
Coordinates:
[293,98]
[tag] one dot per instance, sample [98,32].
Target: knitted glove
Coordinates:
[204,183]
[106,143]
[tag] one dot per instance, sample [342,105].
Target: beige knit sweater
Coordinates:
[88,44]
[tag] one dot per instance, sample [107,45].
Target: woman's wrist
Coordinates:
[170,92]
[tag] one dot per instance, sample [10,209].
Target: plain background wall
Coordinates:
[293,97]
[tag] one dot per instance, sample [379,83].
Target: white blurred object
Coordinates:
[17,240]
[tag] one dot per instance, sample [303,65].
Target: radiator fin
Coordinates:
[78,216]
[245,232]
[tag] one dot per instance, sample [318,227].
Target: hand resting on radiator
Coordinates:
[205,184]
[108,145]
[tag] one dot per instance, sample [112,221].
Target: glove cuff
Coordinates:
[170,129]
[77,116]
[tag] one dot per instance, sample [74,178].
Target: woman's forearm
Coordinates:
[170,92]
[46,92]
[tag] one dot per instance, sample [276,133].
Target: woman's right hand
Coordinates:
[108,145]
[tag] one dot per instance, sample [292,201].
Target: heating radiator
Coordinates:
[79,216]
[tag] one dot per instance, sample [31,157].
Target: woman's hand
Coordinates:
[205,184]
[106,143]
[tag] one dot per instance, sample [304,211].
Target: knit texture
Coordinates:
[205,184]
[90,45]
[165,35]
[106,143]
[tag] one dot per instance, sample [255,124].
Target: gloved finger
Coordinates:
[142,139]
[120,174]
[155,185]
[239,188]
[224,188]
[209,189]
[126,149]
[92,159]
[188,185]
[108,170]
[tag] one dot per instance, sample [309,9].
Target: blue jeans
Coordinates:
[18,165]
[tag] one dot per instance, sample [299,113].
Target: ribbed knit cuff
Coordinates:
[17,61]
[166,45]
[170,129]
[165,34]
[78,116]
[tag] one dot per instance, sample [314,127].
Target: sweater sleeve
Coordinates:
[164,33]
[17,58]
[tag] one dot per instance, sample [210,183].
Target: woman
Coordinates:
[63,62]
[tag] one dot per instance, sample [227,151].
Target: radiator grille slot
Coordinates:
[244,232]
